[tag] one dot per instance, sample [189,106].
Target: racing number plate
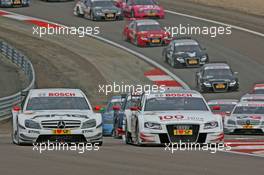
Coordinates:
[155,41]
[110,15]
[17,2]
[220,86]
[151,14]
[193,61]
[61,131]
[248,126]
[182,132]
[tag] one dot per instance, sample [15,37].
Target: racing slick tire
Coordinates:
[132,14]
[137,137]
[128,139]
[92,17]
[136,41]
[78,12]
[125,38]
[165,58]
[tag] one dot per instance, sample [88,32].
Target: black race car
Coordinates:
[216,77]
[185,52]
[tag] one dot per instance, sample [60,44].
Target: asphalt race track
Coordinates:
[243,51]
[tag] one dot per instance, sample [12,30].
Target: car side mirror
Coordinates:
[135,108]
[116,108]
[216,108]
[16,108]
[97,108]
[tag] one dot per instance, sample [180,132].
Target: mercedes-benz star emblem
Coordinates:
[248,122]
[61,124]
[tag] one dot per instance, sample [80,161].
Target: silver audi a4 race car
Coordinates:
[172,117]
[56,115]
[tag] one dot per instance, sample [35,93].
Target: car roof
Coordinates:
[223,101]
[185,42]
[147,22]
[216,66]
[56,92]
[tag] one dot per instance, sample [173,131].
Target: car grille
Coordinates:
[183,138]
[248,122]
[54,124]
[61,138]
[220,86]
[192,61]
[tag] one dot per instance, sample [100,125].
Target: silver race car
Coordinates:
[98,10]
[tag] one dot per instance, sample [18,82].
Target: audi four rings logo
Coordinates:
[61,124]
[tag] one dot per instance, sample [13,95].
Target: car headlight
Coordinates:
[211,125]
[151,125]
[143,37]
[233,83]
[231,122]
[89,124]
[140,10]
[99,13]
[207,84]
[32,124]
[180,59]
[204,58]
[119,12]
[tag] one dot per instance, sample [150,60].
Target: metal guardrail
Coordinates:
[6,103]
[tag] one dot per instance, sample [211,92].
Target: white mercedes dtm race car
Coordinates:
[56,115]
[246,118]
[173,117]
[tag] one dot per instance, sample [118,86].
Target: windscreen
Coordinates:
[154,27]
[175,103]
[57,103]
[218,72]
[145,2]
[102,4]
[187,48]
[249,110]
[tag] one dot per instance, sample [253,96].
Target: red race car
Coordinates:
[146,33]
[142,9]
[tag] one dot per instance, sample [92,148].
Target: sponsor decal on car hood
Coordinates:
[180,117]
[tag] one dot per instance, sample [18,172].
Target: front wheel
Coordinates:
[132,14]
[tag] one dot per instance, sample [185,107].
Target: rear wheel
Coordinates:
[136,41]
[128,136]
[78,12]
